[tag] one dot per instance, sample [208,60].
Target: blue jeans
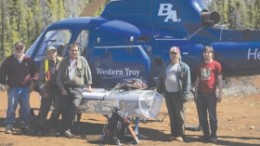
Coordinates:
[207,104]
[18,95]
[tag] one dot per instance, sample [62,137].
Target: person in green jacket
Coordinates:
[174,82]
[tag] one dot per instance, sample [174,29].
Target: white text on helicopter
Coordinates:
[253,54]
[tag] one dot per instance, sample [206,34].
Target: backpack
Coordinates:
[116,128]
[115,131]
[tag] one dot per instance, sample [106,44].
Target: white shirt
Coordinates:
[72,68]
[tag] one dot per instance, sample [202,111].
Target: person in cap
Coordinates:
[209,79]
[174,82]
[49,91]
[18,75]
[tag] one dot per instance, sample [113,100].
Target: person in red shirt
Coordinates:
[18,74]
[209,78]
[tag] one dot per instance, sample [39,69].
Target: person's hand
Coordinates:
[45,95]
[89,89]
[7,87]
[31,87]
[219,97]
[2,87]
[64,92]
[195,96]
[139,85]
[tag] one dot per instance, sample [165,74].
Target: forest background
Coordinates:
[26,19]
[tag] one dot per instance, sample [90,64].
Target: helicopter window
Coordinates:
[83,40]
[53,38]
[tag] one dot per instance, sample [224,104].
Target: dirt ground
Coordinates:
[239,125]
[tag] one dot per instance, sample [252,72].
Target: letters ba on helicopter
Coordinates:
[166,10]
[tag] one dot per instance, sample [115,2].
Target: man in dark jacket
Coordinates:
[18,74]
[174,83]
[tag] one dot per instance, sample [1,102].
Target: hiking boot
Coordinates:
[21,123]
[8,131]
[39,133]
[140,136]
[54,132]
[213,139]
[171,138]
[204,138]
[68,134]
[27,130]
[199,128]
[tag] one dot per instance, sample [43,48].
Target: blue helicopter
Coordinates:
[131,39]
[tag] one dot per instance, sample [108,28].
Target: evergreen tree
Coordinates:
[45,12]
[231,14]
[257,12]
[21,26]
[14,22]
[38,22]
[8,39]
[53,10]
[251,14]
[244,15]
[221,6]
[29,28]
[213,6]
[240,15]
[2,27]
[237,14]
[60,10]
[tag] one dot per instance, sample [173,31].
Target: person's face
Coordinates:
[74,52]
[52,54]
[208,55]
[174,56]
[19,48]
